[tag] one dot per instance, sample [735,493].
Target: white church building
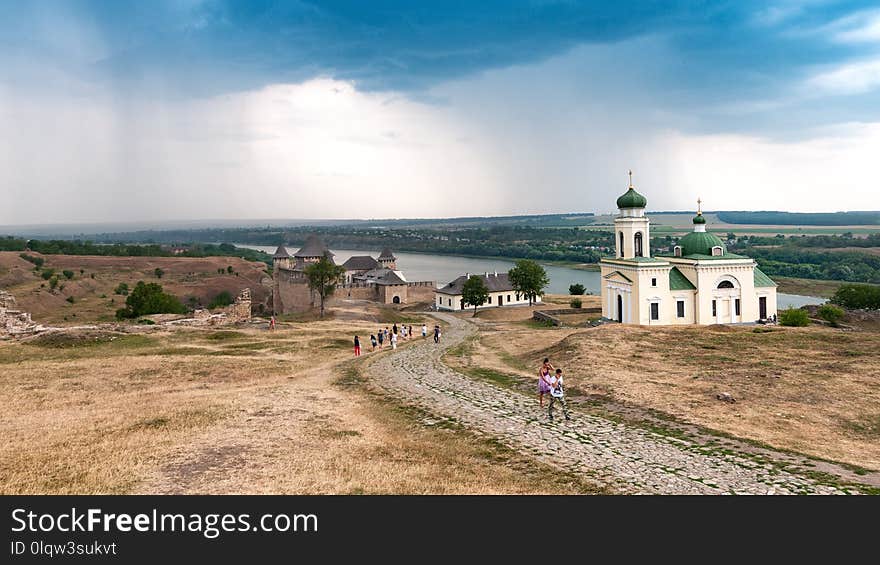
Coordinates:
[700,283]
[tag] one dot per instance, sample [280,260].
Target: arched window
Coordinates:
[676,250]
[725,284]
[638,244]
[621,244]
[717,251]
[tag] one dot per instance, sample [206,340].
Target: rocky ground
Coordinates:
[629,459]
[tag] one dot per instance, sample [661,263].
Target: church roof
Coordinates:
[700,243]
[631,199]
[360,263]
[313,247]
[281,253]
[677,280]
[762,280]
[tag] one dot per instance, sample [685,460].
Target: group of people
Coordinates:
[391,336]
[550,381]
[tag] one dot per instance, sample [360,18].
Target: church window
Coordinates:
[653,282]
[490,300]
[725,284]
[717,251]
[621,244]
[655,311]
[638,244]
[677,251]
[680,308]
[508,298]
[714,308]
[736,306]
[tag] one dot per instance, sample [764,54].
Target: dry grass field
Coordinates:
[95,278]
[230,411]
[812,390]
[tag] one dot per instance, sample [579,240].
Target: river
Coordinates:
[444,268]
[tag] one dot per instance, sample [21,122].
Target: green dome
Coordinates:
[631,199]
[699,219]
[699,243]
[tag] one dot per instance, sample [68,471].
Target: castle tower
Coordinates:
[632,237]
[387,260]
[281,259]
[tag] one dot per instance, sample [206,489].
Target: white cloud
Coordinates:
[850,78]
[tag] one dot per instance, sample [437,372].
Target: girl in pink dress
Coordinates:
[544,380]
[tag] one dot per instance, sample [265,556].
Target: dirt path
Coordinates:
[625,457]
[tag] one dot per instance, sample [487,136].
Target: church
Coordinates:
[699,283]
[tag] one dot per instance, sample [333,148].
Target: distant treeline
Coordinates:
[77,247]
[802,218]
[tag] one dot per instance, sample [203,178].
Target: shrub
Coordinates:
[70,299]
[82,271]
[229,269]
[146,322]
[794,317]
[53,282]
[149,298]
[221,300]
[577,289]
[38,261]
[47,273]
[831,314]
[158,272]
[858,296]
[576,303]
[67,274]
[121,288]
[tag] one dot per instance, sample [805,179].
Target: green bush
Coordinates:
[576,303]
[229,269]
[158,272]
[67,274]
[858,296]
[53,282]
[221,300]
[47,273]
[70,299]
[146,322]
[577,289]
[38,261]
[121,288]
[149,298]
[831,314]
[794,317]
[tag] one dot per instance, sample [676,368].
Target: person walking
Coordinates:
[272,323]
[357,346]
[410,332]
[394,328]
[436,334]
[373,342]
[557,394]
[381,338]
[394,341]
[424,331]
[544,380]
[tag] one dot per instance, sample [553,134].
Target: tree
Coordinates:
[529,279]
[323,277]
[229,269]
[474,292]
[149,298]
[794,317]
[222,299]
[858,296]
[577,289]
[158,272]
[67,274]
[831,314]
[576,303]
[121,288]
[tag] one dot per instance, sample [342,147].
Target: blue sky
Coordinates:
[111,110]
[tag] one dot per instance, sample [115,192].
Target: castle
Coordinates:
[365,278]
[699,283]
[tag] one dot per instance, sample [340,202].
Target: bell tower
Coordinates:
[631,227]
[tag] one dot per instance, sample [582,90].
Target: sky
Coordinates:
[114,111]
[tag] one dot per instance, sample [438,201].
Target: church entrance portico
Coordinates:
[727,297]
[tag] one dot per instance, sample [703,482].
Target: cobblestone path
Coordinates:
[626,458]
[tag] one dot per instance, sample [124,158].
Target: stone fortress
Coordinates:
[366,278]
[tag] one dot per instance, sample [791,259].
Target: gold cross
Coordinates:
[699,207]
[630,178]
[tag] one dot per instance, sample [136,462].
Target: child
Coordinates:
[424,331]
[373,341]
[394,341]
[544,376]
[357,346]
[557,394]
